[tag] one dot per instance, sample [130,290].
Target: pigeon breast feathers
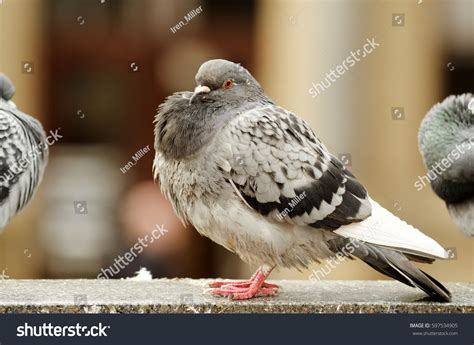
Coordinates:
[281,170]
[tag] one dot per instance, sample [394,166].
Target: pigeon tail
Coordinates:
[391,263]
[385,229]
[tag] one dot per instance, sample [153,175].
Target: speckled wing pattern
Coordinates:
[23,156]
[281,169]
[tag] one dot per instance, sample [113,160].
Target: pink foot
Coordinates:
[243,293]
[241,290]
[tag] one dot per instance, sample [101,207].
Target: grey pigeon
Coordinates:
[23,154]
[254,178]
[446,141]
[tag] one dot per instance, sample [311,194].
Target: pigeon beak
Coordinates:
[198,90]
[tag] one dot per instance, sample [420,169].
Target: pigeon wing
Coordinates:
[280,169]
[23,155]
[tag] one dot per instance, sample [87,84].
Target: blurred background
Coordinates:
[95,72]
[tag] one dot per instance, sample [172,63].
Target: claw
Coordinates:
[242,290]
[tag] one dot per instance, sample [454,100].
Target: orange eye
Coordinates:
[228,84]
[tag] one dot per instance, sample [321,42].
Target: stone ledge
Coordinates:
[186,296]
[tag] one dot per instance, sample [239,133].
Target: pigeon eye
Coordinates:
[228,84]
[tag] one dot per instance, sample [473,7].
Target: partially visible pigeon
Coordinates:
[254,178]
[23,154]
[446,140]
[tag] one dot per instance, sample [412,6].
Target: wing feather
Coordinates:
[23,157]
[281,169]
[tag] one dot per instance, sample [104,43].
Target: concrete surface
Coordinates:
[187,296]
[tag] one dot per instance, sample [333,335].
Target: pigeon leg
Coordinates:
[239,290]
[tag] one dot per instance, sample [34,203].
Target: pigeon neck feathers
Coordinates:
[182,129]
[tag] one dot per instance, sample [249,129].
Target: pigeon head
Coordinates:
[226,83]
[187,121]
[7,90]
[446,125]
[446,142]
